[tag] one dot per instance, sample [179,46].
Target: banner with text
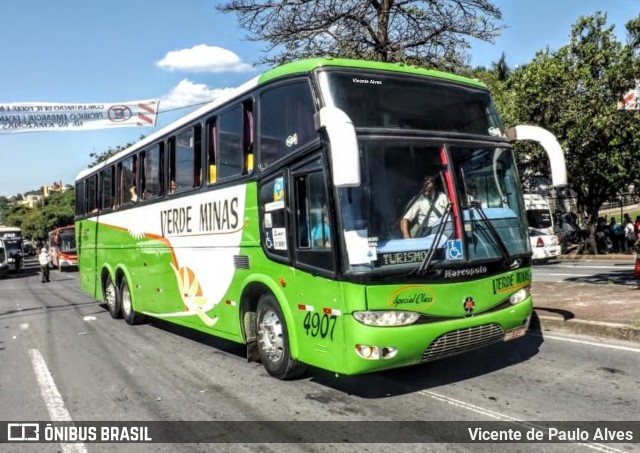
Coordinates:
[51,116]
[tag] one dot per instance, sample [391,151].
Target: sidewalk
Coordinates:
[608,309]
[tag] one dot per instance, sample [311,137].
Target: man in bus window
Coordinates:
[426,211]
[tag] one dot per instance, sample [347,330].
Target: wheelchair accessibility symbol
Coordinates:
[454,250]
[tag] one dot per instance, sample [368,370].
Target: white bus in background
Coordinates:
[544,242]
[12,238]
[539,213]
[4,261]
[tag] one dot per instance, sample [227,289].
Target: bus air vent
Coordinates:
[463,340]
[241,261]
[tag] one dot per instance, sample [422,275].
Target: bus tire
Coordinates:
[111,297]
[273,340]
[128,313]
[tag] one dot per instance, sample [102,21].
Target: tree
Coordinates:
[55,211]
[574,93]
[432,33]
[4,204]
[101,157]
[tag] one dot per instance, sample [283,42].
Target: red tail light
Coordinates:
[540,243]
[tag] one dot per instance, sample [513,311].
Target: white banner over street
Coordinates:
[51,116]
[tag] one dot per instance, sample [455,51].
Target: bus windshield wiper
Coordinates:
[502,248]
[423,267]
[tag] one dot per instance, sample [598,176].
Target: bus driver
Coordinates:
[426,210]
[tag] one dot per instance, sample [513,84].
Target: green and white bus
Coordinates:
[273,218]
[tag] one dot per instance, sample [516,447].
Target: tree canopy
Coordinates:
[434,33]
[54,211]
[100,157]
[574,93]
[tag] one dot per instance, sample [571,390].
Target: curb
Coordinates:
[623,332]
[612,256]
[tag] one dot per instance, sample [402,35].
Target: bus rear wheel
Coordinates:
[111,297]
[273,340]
[128,313]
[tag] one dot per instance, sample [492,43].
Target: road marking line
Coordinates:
[507,418]
[592,343]
[52,398]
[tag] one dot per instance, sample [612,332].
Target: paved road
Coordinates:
[586,271]
[103,369]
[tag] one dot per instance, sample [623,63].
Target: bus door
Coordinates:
[297,228]
[297,218]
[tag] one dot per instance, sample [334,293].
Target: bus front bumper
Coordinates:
[370,349]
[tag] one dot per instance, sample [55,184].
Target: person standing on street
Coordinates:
[43,259]
[17,259]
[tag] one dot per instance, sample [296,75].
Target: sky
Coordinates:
[184,53]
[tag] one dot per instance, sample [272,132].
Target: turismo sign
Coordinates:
[49,116]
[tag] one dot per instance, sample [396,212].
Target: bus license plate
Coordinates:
[515,333]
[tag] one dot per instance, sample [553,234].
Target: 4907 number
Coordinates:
[316,324]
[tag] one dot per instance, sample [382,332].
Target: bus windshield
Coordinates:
[67,242]
[386,100]
[485,188]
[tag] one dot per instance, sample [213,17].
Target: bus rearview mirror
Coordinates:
[345,157]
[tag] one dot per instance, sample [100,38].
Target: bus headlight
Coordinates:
[520,295]
[386,318]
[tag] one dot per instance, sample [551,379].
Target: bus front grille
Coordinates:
[462,340]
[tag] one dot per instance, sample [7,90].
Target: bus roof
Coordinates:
[304,66]
[287,69]
[9,228]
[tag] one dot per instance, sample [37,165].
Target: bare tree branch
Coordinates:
[432,33]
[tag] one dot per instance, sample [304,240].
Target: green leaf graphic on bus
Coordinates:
[191,294]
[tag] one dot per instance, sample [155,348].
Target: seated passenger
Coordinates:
[321,232]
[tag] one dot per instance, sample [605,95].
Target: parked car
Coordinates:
[544,246]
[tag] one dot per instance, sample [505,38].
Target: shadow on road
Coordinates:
[435,374]
[400,381]
[621,277]
[566,314]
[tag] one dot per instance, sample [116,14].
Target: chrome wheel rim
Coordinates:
[126,301]
[271,336]
[110,296]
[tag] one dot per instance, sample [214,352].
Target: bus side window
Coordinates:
[106,188]
[185,163]
[92,194]
[127,189]
[151,173]
[80,201]
[286,121]
[230,143]
[248,137]
[274,220]
[196,150]
[171,183]
[314,235]
[211,150]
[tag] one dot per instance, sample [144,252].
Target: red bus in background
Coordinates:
[62,243]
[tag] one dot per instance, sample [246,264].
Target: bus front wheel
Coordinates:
[112,299]
[273,340]
[128,313]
